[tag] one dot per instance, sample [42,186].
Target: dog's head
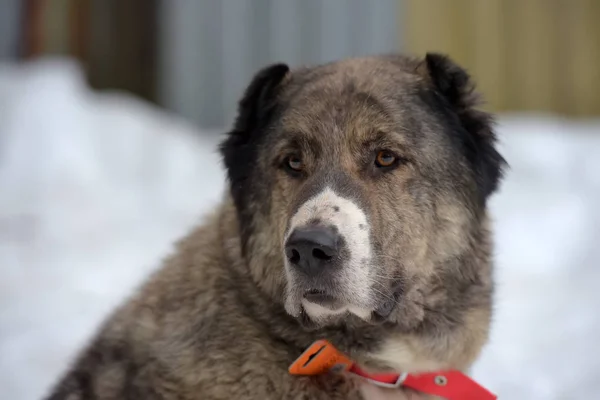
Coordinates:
[356,183]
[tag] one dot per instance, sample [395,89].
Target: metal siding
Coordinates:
[211,48]
[10,18]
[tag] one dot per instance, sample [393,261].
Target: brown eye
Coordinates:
[294,163]
[385,159]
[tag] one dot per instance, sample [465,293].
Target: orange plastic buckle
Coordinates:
[319,358]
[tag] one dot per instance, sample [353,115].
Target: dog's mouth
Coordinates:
[322,303]
[323,298]
[317,302]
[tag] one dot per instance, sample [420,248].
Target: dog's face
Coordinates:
[357,182]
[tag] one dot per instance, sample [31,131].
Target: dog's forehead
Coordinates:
[353,100]
[368,73]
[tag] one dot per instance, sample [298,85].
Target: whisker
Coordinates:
[386,296]
[375,275]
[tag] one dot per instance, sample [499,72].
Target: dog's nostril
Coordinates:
[321,255]
[294,256]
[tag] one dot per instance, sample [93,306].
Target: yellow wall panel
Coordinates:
[526,55]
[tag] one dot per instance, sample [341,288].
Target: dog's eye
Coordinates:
[385,159]
[294,163]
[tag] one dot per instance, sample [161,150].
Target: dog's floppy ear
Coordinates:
[451,80]
[259,97]
[455,86]
[239,150]
[254,108]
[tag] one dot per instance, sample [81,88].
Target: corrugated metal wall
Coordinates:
[10,17]
[209,49]
[533,55]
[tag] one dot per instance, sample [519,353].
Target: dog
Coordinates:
[356,212]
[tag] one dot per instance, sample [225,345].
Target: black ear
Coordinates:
[258,98]
[457,89]
[257,103]
[239,150]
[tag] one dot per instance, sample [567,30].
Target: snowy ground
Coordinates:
[80,174]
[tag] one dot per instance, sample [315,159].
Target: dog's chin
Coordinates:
[333,312]
[313,314]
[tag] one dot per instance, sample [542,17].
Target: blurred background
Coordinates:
[110,112]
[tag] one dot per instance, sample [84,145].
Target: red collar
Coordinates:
[322,357]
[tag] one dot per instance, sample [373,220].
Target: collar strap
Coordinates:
[322,357]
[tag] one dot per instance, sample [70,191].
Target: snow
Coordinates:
[94,188]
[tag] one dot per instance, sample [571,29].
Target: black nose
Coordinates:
[312,248]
